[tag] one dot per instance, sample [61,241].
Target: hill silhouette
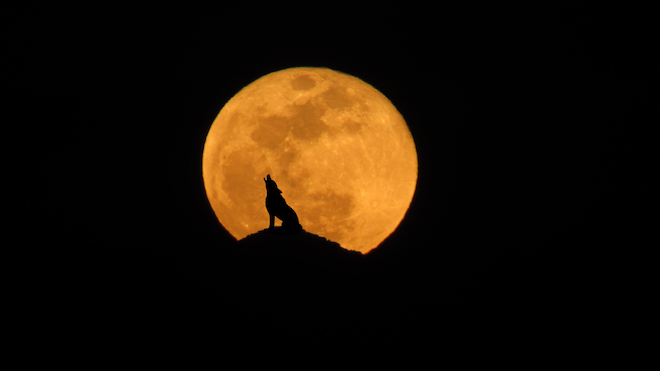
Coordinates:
[302,246]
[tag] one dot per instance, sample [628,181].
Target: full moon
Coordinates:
[340,152]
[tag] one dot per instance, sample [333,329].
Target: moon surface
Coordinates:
[340,152]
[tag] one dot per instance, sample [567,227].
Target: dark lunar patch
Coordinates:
[306,123]
[303,82]
[337,98]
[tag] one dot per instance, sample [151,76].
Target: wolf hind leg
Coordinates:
[292,226]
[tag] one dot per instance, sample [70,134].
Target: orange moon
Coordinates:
[338,149]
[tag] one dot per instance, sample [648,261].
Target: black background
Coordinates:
[531,130]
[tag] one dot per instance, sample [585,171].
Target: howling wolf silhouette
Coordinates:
[277,207]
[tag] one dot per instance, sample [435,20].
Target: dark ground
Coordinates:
[532,130]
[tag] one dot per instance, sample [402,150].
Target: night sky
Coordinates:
[534,170]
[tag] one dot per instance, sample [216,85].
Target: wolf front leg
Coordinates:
[272,221]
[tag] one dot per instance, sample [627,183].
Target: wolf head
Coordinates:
[271,185]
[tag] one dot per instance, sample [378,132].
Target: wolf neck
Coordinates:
[274,191]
